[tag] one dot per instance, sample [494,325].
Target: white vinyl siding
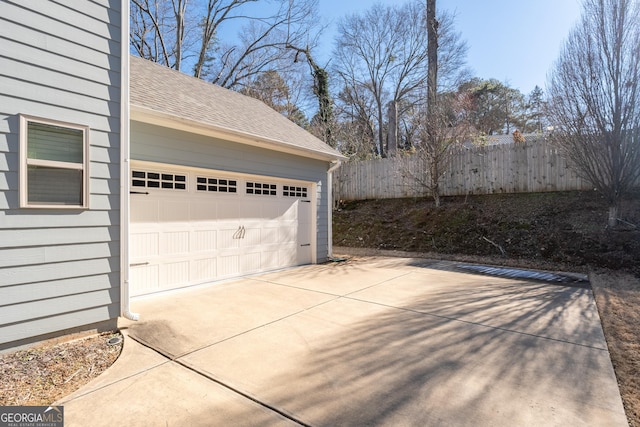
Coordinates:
[54,164]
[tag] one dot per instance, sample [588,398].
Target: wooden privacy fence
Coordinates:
[534,166]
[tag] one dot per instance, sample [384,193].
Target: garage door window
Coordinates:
[164,180]
[262,189]
[294,191]
[217,185]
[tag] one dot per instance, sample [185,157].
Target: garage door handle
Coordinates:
[306,244]
[138,192]
[240,233]
[138,264]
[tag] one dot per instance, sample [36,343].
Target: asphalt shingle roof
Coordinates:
[166,91]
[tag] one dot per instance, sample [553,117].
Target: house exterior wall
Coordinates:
[60,269]
[164,145]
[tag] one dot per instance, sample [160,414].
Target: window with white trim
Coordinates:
[216,185]
[54,164]
[164,180]
[261,188]
[294,191]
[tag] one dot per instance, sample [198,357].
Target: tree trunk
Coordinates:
[392,129]
[380,130]
[612,221]
[432,93]
[432,57]
[180,10]
[434,173]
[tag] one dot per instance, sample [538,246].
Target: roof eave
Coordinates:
[151,116]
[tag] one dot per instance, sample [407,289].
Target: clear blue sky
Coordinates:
[514,41]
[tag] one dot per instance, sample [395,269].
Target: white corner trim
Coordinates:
[125,309]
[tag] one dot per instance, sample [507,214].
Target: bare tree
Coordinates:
[440,130]
[381,55]
[354,128]
[594,98]
[151,30]
[272,89]
[441,135]
[214,14]
[181,34]
[265,44]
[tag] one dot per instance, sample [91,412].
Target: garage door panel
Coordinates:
[144,245]
[287,234]
[287,255]
[204,211]
[250,262]
[277,209]
[174,243]
[250,209]
[204,240]
[145,278]
[270,260]
[270,236]
[229,238]
[251,237]
[228,265]
[228,210]
[143,210]
[290,213]
[171,211]
[204,269]
[174,274]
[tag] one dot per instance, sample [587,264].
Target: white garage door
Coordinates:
[195,226]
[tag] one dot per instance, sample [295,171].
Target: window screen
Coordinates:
[55,164]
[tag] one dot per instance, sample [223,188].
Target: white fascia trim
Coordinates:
[150,116]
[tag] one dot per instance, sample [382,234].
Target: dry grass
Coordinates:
[43,374]
[618,300]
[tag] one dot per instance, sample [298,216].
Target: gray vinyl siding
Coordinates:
[164,145]
[60,269]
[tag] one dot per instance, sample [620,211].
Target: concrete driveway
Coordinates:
[374,341]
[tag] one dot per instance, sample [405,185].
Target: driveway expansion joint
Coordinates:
[221,383]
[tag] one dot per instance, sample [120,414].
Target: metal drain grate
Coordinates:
[514,273]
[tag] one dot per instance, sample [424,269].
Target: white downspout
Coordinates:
[334,165]
[125,309]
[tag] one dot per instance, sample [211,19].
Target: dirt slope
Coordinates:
[544,230]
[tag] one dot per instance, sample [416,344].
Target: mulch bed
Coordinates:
[42,374]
